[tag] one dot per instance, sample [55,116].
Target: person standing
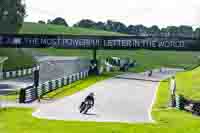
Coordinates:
[173,91]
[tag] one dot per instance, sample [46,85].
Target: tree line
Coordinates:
[12,13]
[137,30]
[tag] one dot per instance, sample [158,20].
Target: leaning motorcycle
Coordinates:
[85,106]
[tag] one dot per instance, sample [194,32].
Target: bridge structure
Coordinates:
[98,42]
[93,43]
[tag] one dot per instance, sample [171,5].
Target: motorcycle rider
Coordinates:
[90,100]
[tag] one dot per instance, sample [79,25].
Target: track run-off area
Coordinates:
[125,98]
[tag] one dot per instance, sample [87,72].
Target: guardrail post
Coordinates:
[22,95]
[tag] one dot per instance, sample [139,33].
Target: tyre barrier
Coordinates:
[180,102]
[31,94]
[188,105]
[19,73]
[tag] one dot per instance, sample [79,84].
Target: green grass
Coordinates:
[10,97]
[146,59]
[16,59]
[34,28]
[15,120]
[78,86]
[188,84]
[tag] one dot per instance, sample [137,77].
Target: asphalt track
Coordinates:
[125,98]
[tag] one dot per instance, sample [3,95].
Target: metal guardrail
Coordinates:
[30,94]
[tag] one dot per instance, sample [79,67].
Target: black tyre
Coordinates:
[86,109]
[88,106]
[82,108]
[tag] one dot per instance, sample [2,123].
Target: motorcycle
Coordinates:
[85,106]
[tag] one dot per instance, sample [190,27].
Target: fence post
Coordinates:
[59,83]
[50,86]
[29,71]
[43,89]
[7,75]
[11,74]
[19,73]
[70,79]
[87,73]
[24,72]
[53,84]
[39,90]
[101,70]
[63,82]
[14,74]
[73,78]
[81,75]
[46,87]
[22,95]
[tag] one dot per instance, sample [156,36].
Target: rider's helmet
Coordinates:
[91,94]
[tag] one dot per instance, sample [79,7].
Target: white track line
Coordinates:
[153,102]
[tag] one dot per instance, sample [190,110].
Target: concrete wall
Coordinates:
[54,68]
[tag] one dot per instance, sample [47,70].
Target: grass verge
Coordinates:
[35,28]
[13,96]
[188,84]
[17,59]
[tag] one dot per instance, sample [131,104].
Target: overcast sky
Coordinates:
[147,12]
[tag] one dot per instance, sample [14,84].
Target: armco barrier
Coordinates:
[27,95]
[19,73]
[30,94]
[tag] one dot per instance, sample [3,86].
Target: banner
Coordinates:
[97,42]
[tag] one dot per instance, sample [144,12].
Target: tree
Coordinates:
[85,23]
[48,21]
[59,21]
[131,29]
[172,31]
[115,26]
[163,32]
[41,22]
[154,30]
[197,33]
[120,27]
[141,30]
[12,13]
[185,31]
[100,25]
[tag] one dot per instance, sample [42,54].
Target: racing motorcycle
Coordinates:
[85,106]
